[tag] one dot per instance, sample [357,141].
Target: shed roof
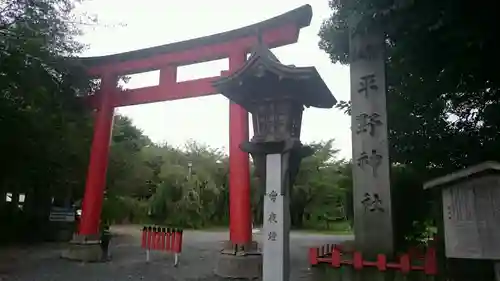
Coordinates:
[479,169]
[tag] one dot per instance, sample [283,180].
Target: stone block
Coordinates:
[239,266]
[83,249]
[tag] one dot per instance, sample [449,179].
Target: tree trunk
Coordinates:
[297,217]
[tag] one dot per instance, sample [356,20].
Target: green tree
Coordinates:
[197,196]
[193,196]
[48,128]
[316,196]
[129,173]
[441,95]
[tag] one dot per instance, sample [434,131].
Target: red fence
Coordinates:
[332,255]
[162,239]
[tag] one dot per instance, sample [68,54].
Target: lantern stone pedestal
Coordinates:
[84,248]
[239,261]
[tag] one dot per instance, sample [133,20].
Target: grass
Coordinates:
[326,231]
[312,231]
[210,229]
[335,228]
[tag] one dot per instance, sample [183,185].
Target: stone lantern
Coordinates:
[276,95]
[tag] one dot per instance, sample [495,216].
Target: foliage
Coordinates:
[159,177]
[120,209]
[316,194]
[47,127]
[439,90]
[441,96]
[128,173]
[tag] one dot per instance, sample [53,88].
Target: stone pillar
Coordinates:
[276,234]
[86,243]
[277,163]
[372,193]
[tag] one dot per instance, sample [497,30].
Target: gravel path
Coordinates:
[198,259]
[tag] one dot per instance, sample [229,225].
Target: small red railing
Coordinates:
[332,255]
[162,239]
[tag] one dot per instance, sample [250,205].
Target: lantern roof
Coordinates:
[264,77]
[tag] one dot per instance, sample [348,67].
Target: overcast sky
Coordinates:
[156,22]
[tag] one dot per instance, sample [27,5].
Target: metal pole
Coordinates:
[176,259]
[190,169]
[276,256]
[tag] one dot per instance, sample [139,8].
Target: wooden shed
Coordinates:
[471,211]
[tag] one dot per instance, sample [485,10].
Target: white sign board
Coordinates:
[62,215]
[471,215]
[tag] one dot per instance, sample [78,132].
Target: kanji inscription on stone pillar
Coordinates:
[372,198]
[276,255]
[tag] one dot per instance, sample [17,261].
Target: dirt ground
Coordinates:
[197,262]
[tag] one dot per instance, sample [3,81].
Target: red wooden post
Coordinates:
[240,220]
[168,245]
[158,238]
[163,241]
[313,256]
[336,255]
[404,262]
[430,262]
[358,261]
[173,239]
[96,176]
[144,237]
[178,241]
[381,262]
[154,238]
[150,237]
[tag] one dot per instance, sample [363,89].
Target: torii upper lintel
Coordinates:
[277,31]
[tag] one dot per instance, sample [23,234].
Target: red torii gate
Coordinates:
[235,44]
